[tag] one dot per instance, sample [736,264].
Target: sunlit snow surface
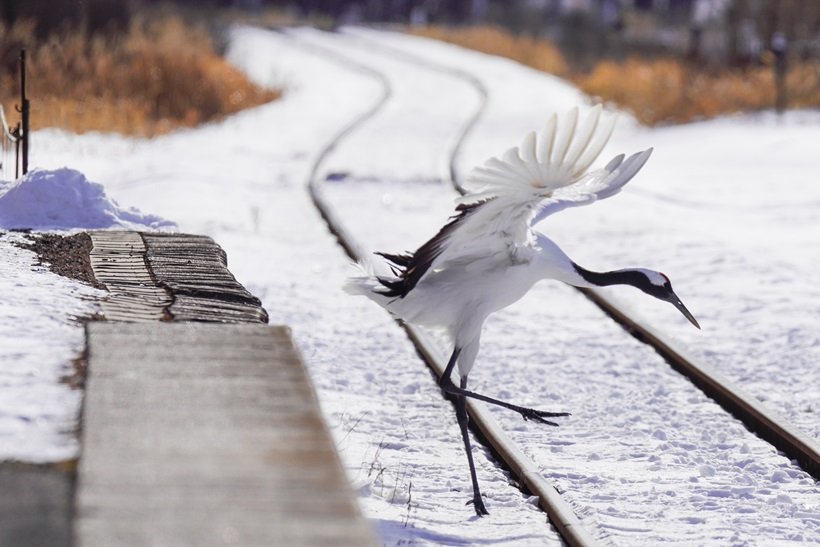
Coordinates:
[40,331]
[645,458]
[38,339]
[727,208]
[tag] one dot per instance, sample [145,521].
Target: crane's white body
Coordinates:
[489,256]
[466,295]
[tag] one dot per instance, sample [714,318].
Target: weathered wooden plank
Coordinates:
[194,270]
[118,261]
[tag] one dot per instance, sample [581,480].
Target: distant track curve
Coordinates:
[765,423]
[560,513]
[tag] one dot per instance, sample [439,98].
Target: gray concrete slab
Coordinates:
[35,505]
[206,434]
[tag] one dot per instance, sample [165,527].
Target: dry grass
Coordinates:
[159,75]
[538,54]
[655,91]
[668,90]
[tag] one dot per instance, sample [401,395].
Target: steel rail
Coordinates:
[449,169]
[559,512]
[762,421]
[766,423]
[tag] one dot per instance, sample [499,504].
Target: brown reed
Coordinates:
[656,91]
[160,74]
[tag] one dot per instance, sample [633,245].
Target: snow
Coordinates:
[630,437]
[737,188]
[645,458]
[65,199]
[723,207]
[39,331]
[39,337]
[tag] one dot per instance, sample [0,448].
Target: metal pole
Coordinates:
[25,111]
[17,152]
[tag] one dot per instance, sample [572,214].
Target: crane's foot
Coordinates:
[478,505]
[539,415]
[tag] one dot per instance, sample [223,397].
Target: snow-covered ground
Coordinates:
[38,340]
[734,193]
[627,383]
[39,331]
[725,208]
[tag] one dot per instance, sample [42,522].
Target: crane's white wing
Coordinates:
[555,157]
[545,174]
[599,184]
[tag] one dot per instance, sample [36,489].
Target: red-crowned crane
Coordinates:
[488,255]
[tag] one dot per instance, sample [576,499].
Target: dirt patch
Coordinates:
[65,255]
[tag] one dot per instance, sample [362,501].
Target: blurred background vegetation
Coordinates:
[666,61]
[145,67]
[108,65]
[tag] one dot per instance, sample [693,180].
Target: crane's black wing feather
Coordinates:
[409,268]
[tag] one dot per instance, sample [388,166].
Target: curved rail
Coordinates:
[560,513]
[743,406]
[765,423]
[450,170]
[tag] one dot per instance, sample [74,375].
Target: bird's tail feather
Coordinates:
[365,280]
[362,278]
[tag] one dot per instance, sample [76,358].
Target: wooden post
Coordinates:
[24,110]
[16,133]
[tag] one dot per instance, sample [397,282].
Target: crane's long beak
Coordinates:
[675,301]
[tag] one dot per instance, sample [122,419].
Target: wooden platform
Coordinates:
[160,276]
[206,434]
[200,425]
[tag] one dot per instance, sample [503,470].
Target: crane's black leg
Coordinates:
[448,386]
[461,415]
[463,420]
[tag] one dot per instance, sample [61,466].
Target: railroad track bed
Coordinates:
[697,195]
[673,430]
[645,458]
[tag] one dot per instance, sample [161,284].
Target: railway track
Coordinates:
[730,397]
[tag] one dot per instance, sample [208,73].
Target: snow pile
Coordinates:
[64,199]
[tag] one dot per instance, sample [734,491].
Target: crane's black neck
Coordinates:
[617,277]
